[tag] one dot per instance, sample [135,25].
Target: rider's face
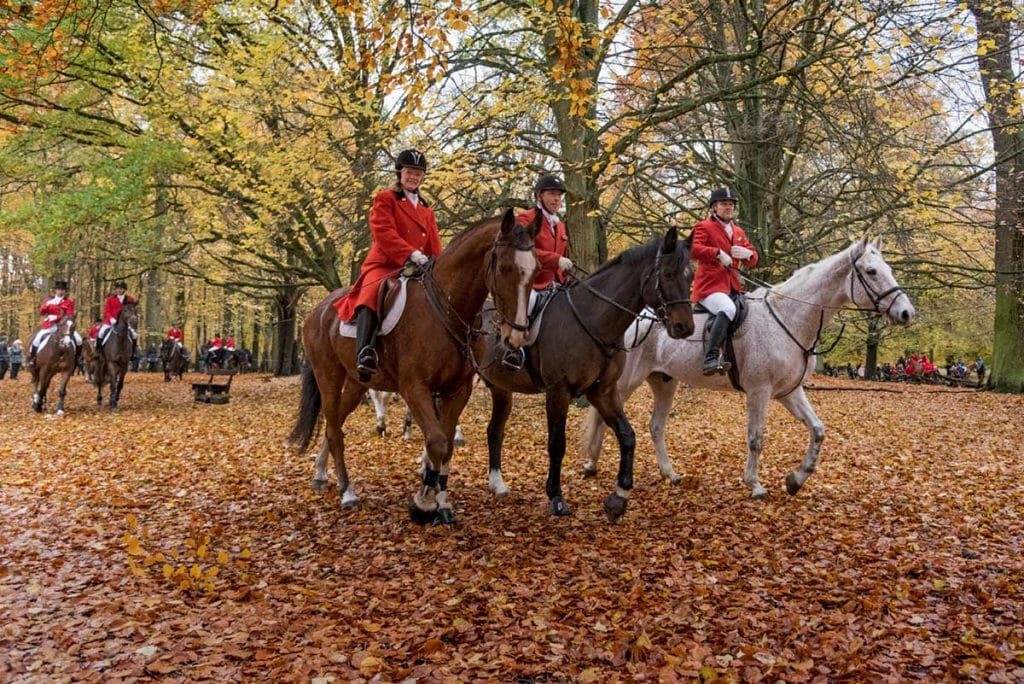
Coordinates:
[411,178]
[725,209]
[551,200]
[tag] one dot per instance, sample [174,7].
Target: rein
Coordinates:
[661,311]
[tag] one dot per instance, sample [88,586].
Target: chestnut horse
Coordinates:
[55,356]
[113,360]
[428,358]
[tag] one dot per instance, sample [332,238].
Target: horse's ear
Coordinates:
[535,225]
[668,245]
[508,222]
[877,242]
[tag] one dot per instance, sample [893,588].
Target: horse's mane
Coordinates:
[802,274]
[636,255]
[468,232]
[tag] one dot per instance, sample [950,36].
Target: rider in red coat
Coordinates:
[52,310]
[720,247]
[175,333]
[552,241]
[111,310]
[404,230]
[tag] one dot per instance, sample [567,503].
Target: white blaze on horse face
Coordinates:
[526,263]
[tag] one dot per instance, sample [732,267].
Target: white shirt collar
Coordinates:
[552,219]
[413,197]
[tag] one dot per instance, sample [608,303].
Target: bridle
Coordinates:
[520,241]
[874,296]
[660,310]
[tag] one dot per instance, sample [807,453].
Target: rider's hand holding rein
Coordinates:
[565,264]
[419,258]
[740,252]
[724,259]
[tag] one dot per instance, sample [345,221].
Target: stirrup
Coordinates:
[717,366]
[514,359]
[366,363]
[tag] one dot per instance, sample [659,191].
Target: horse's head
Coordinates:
[129,314]
[666,286]
[873,287]
[66,331]
[510,273]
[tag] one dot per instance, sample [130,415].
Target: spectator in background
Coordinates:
[5,357]
[17,358]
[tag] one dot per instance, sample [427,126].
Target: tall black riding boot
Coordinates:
[366,338]
[716,336]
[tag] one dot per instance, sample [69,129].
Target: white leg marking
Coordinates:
[496,483]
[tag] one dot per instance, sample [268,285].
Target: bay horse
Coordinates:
[173,359]
[428,357]
[113,360]
[55,357]
[577,352]
[775,353]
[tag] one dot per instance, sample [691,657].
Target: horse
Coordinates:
[577,352]
[380,401]
[429,354]
[775,350]
[173,358]
[56,356]
[115,356]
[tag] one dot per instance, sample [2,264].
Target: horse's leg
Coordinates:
[380,408]
[594,426]
[64,390]
[459,440]
[664,390]
[796,402]
[407,426]
[36,406]
[40,382]
[424,504]
[501,407]
[320,475]
[449,411]
[757,412]
[557,407]
[340,408]
[606,400]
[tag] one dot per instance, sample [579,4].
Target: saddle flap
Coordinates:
[391,296]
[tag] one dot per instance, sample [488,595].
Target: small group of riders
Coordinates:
[404,232]
[219,349]
[60,305]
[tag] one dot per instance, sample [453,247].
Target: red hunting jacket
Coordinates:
[549,245]
[53,309]
[112,308]
[175,334]
[398,229]
[709,237]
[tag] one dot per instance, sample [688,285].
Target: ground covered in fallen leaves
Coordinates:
[183,541]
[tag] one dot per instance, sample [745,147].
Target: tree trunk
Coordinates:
[286,353]
[1001,95]
[871,357]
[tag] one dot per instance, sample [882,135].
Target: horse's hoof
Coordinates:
[420,516]
[381,431]
[319,485]
[559,508]
[759,493]
[502,493]
[589,472]
[673,478]
[60,412]
[614,506]
[349,504]
[38,408]
[460,443]
[792,486]
[444,516]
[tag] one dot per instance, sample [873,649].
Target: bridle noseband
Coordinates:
[663,303]
[521,242]
[874,296]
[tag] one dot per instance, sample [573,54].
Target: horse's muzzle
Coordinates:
[679,331]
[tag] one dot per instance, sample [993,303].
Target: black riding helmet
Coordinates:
[60,284]
[121,284]
[548,183]
[413,159]
[722,194]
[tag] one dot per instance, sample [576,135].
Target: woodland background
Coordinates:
[222,156]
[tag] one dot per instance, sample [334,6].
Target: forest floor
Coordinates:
[183,541]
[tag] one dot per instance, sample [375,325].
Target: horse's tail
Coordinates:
[308,420]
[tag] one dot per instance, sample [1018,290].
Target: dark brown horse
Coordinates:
[579,351]
[55,356]
[173,359]
[114,358]
[427,358]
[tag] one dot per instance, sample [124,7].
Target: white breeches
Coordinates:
[46,332]
[105,328]
[720,302]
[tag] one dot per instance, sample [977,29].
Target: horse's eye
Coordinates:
[871,272]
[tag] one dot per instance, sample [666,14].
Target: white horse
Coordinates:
[775,354]
[381,399]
